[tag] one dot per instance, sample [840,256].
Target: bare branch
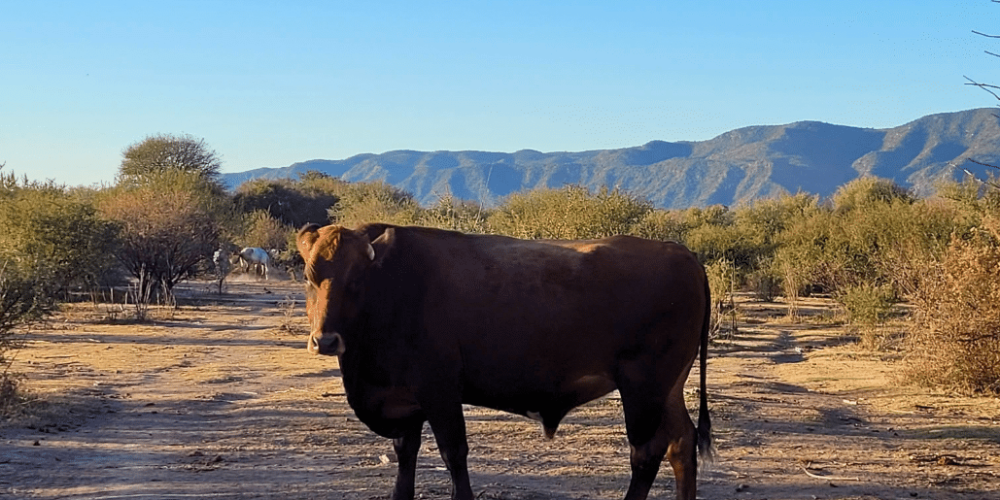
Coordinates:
[989,182]
[984,86]
[988,85]
[983,164]
[984,34]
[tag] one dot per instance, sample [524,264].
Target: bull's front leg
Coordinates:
[406,448]
[448,425]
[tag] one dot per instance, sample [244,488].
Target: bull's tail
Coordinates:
[704,421]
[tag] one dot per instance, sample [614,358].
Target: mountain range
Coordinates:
[736,167]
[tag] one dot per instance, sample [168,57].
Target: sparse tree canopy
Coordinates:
[164,152]
[170,224]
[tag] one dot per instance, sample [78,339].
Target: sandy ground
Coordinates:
[219,399]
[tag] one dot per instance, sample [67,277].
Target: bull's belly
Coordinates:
[539,399]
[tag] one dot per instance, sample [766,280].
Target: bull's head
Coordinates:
[336,261]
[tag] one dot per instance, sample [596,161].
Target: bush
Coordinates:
[762,222]
[290,202]
[572,212]
[24,296]
[722,280]
[867,304]
[47,228]
[662,225]
[871,235]
[866,191]
[454,214]
[957,342]
[746,236]
[374,202]
[264,231]
[764,282]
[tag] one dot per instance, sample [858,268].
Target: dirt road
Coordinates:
[219,399]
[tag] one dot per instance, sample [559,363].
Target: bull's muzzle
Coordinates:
[331,344]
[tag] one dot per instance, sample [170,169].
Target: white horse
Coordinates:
[257,258]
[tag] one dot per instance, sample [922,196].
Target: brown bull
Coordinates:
[425,320]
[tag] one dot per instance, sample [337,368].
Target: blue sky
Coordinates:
[267,84]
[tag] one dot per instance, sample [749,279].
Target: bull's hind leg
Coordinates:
[647,444]
[658,425]
[682,439]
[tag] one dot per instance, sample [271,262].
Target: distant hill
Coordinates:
[737,166]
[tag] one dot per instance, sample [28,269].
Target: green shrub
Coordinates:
[294,203]
[867,304]
[764,282]
[24,296]
[454,214]
[762,222]
[264,231]
[572,212]
[871,235]
[45,227]
[662,225]
[374,202]
[722,281]
[866,191]
[719,241]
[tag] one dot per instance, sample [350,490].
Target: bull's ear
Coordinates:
[382,246]
[306,239]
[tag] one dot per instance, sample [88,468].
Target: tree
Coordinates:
[993,90]
[164,152]
[285,200]
[170,223]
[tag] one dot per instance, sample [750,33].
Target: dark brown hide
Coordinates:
[424,320]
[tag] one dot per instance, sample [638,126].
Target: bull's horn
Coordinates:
[371,252]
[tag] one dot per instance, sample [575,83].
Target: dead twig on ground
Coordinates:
[829,478]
